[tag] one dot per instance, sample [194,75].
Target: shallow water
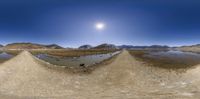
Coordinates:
[87,60]
[175,55]
[170,59]
[5,56]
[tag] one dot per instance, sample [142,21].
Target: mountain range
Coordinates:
[85,47]
[55,46]
[191,48]
[31,46]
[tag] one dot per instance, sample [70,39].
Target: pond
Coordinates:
[5,56]
[85,61]
[169,59]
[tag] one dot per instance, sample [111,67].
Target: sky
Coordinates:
[71,23]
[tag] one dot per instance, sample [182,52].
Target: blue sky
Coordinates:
[70,23]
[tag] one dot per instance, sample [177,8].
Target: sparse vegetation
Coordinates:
[13,52]
[62,52]
[71,53]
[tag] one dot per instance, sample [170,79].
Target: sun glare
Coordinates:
[99,26]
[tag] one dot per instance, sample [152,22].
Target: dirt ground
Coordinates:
[25,77]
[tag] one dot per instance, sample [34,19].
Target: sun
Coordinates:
[99,26]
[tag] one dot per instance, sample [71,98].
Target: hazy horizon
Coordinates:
[71,23]
[93,45]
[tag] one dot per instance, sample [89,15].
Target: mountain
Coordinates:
[53,46]
[191,48]
[106,46]
[197,45]
[158,46]
[30,46]
[1,47]
[24,46]
[85,47]
[143,47]
[126,46]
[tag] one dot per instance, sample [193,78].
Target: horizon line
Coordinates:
[102,43]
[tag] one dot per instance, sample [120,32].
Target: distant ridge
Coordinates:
[192,48]
[85,47]
[112,46]
[106,46]
[196,45]
[31,46]
[144,47]
[54,46]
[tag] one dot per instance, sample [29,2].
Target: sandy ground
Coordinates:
[25,77]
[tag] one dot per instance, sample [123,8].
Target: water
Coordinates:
[173,59]
[175,55]
[5,56]
[76,61]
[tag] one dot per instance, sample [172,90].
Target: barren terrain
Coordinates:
[26,77]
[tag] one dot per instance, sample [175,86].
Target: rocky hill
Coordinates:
[192,48]
[85,47]
[30,46]
[143,47]
[106,46]
[53,46]
[126,46]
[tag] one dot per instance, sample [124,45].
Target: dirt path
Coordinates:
[24,76]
